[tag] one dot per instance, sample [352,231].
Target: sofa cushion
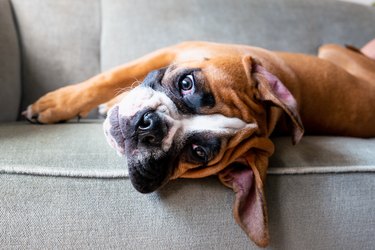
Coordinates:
[305,212]
[46,202]
[81,150]
[323,154]
[60,43]
[69,149]
[133,28]
[10,78]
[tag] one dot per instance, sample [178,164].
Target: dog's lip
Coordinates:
[114,132]
[118,123]
[147,173]
[147,176]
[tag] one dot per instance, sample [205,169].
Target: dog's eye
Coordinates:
[187,85]
[199,152]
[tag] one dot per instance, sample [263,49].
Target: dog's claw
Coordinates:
[33,120]
[30,117]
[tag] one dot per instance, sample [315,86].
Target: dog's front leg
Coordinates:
[79,99]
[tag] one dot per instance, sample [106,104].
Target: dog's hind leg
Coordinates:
[353,61]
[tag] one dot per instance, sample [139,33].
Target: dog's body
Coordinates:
[210,109]
[332,76]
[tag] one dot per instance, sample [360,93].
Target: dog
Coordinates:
[209,109]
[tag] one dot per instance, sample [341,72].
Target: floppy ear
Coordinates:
[246,178]
[271,89]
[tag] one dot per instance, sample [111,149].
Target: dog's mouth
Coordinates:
[151,173]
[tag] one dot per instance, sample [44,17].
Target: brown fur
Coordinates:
[337,86]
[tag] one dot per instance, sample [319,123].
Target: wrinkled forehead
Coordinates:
[224,77]
[222,73]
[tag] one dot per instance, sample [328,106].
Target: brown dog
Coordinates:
[209,108]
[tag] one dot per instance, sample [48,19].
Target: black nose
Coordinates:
[151,129]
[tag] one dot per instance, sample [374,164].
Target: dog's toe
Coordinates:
[30,116]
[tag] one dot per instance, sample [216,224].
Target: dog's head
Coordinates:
[203,117]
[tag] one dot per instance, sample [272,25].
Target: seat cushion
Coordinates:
[323,154]
[80,149]
[63,185]
[60,150]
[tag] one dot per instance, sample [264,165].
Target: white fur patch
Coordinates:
[111,141]
[141,98]
[216,124]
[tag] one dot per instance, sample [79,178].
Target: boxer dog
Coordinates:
[209,109]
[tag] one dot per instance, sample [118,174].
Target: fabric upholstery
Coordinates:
[305,212]
[95,206]
[60,42]
[65,150]
[80,150]
[323,154]
[10,79]
[133,28]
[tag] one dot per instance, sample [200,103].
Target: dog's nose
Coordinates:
[151,128]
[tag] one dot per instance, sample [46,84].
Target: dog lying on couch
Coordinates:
[205,108]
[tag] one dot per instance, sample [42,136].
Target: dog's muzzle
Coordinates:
[140,138]
[139,127]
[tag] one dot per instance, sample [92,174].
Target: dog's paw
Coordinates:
[57,106]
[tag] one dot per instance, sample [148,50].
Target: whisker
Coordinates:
[119,91]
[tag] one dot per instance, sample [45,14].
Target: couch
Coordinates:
[63,187]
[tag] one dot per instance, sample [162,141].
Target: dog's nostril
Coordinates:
[150,128]
[147,121]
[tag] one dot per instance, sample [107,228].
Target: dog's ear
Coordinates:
[246,177]
[271,89]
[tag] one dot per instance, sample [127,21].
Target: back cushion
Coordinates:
[60,43]
[68,41]
[10,78]
[133,28]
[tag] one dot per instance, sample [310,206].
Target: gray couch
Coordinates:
[62,187]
